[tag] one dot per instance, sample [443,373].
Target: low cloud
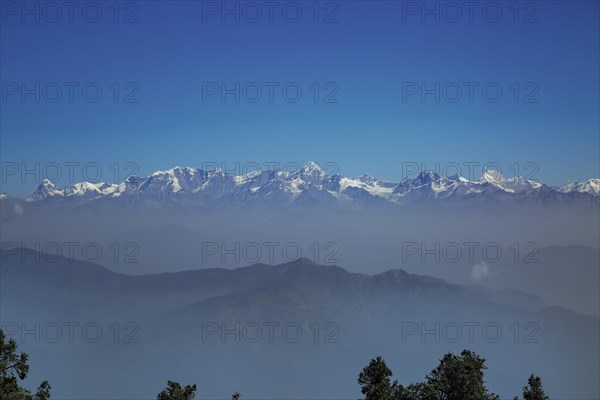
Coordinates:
[480,271]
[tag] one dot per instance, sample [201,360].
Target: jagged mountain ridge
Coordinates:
[308,185]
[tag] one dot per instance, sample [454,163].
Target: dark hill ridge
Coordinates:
[79,286]
[84,277]
[365,314]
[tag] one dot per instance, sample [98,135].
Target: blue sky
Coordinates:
[368,61]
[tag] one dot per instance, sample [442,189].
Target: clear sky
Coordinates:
[369,58]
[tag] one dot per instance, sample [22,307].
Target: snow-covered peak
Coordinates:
[492,176]
[168,172]
[368,179]
[87,188]
[511,185]
[518,183]
[311,167]
[177,171]
[250,177]
[369,184]
[45,190]
[427,177]
[310,174]
[591,186]
[217,172]
[459,178]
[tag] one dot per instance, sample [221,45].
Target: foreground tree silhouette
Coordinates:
[376,384]
[455,378]
[458,378]
[13,366]
[533,390]
[174,391]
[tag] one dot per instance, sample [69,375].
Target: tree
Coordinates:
[13,366]
[235,396]
[418,391]
[455,378]
[174,391]
[375,382]
[411,392]
[533,390]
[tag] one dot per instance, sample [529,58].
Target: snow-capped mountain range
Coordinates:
[193,186]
